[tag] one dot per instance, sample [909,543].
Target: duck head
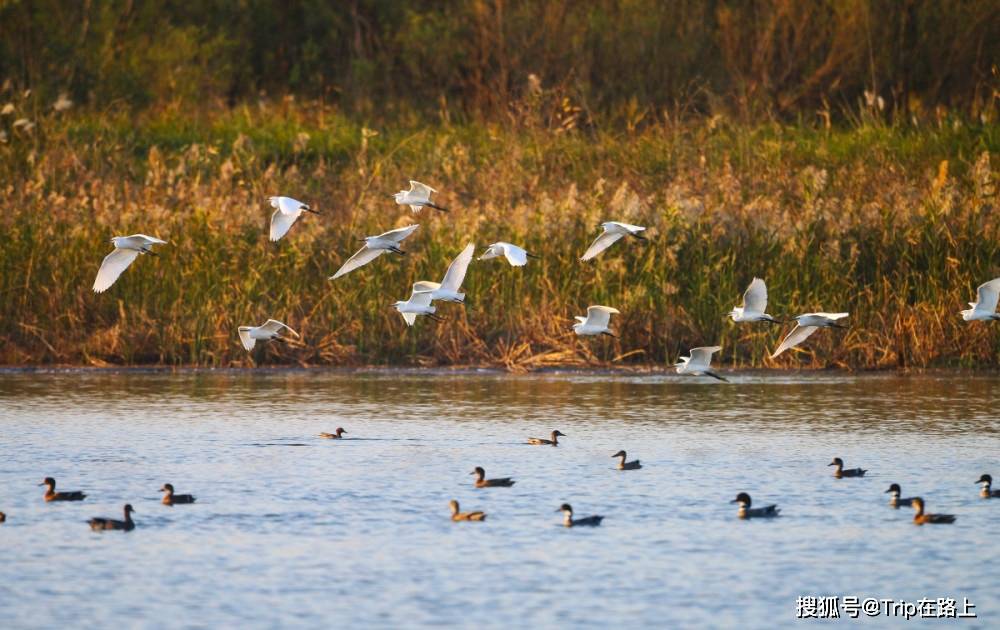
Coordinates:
[839,463]
[743,499]
[894,488]
[986,479]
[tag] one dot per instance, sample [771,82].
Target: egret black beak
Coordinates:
[531,255]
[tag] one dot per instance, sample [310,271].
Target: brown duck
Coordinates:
[335,435]
[465,516]
[841,472]
[988,492]
[169,498]
[624,465]
[553,441]
[483,482]
[3,517]
[52,495]
[102,524]
[920,518]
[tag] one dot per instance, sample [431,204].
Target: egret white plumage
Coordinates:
[985,306]
[754,305]
[268,331]
[418,304]
[613,231]
[699,363]
[596,322]
[448,289]
[418,196]
[374,247]
[806,325]
[515,255]
[287,212]
[127,249]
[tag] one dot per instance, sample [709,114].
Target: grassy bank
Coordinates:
[896,224]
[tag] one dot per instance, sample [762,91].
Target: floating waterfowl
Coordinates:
[624,465]
[52,495]
[3,517]
[987,492]
[102,524]
[841,472]
[894,500]
[554,441]
[333,436]
[920,518]
[569,521]
[483,482]
[174,499]
[464,516]
[768,511]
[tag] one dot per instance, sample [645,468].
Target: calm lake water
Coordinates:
[292,530]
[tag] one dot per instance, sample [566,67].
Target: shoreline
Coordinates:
[472,370]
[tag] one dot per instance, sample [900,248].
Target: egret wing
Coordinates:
[755,297]
[281,222]
[600,244]
[273,325]
[629,226]
[422,191]
[794,338]
[409,318]
[248,341]
[114,264]
[600,315]
[833,316]
[455,275]
[361,258]
[703,355]
[425,286]
[149,240]
[515,255]
[419,297]
[987,296]
[399,234]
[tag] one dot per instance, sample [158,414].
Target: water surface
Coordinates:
[293,530]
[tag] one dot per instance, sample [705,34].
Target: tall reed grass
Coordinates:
[896,224]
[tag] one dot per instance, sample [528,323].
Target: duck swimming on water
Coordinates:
[333,436]
[569,521]
[894,500]
[988,492]
[624,465]
[464,516]
[3,517]
[52,495]
[102,524]
[174,499]
[920,518]
[841,472]
[768,511]
[554,441]
[483,482]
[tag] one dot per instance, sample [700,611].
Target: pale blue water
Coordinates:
[290,530]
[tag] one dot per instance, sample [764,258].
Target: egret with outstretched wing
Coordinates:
[374,247]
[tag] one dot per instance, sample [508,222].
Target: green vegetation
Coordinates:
[895,223]
[845,150]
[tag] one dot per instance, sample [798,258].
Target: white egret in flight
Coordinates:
[754,305]
[418,304]
[985,306]
[127,248]
[806,325]
[418,196]
[613,230]
[596,322]
[287,212]
[699,362]
[448,289]
[515,255]
[374,247]
[268,331]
